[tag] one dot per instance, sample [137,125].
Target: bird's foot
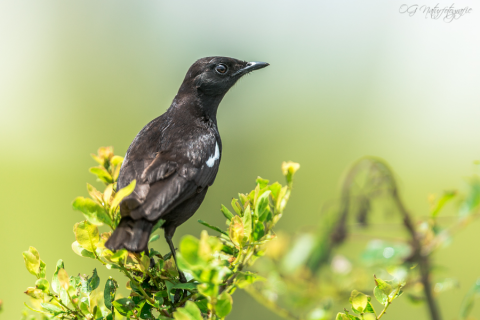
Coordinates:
[179,293]
[181,277]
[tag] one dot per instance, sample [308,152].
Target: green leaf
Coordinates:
[262,182]
[189,252]
[118,257]
[77,248]
[384,286]
[124,306]
[186,286]
[146,312]
[116,160]
[169,285]
[84,305]
[158,299]
[359,301]
[280,203]
[246,278]
[52,308]
[369,308]
[224,305]
[209,290]
[91,283]
[189,312]
[93,212]
[158,225]
[244,199]
[226,212]
[212,227]
[247,223]
[87,235]
[55,282]
[207,246]
[343,316]
[258,230]
[153,238]
[275,189]
[237,207]
[122,193]
[32,261]
[380,295]
[262,208]
[446,197]
[101,174]
[42,284]
[43,267]
[202,305]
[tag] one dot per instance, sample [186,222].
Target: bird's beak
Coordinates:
[251,66]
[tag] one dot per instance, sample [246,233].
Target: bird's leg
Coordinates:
[172,249]
[168,236]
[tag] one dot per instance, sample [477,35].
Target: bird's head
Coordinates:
[214,76]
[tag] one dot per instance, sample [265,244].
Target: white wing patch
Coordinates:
[211,161]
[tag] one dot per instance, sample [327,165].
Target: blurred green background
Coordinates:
[347,79]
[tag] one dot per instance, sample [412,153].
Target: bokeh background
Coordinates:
[347,79]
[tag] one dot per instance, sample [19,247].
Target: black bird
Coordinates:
[175,157]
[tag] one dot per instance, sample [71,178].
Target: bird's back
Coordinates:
[168,158]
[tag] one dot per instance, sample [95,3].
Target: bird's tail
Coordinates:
[130,234]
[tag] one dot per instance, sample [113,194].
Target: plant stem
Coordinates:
[423,259]
[384,310]
[152,302]
[74,305]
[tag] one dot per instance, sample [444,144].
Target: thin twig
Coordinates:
[275,308]
[423,259]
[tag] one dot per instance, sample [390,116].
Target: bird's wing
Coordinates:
[172,176]
[163,196]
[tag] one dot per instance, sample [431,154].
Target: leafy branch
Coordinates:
[214,265]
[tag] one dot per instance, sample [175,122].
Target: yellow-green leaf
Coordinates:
[63,278]
[236,231]
[102,174]
[189,312]
[262,207]
[92,211]
[122,193]
[34,293]
[55,282]
[116,160]
[223,305]
[87,235]
[247,224]
[359,301]
[77,248]
[32,261]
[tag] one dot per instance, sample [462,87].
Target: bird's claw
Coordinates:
[179,293]
[181,277]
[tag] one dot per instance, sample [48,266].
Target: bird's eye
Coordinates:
[221,68]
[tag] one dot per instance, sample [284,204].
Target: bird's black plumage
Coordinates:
[175,158]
